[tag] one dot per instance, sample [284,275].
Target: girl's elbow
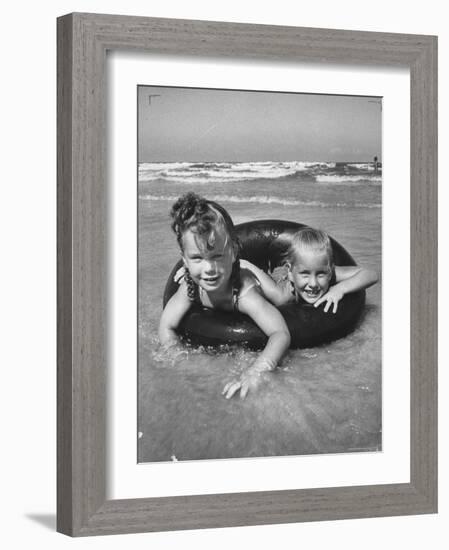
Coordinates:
[168,338]
[286,338]
[277,299]
[374,277]
[281,336]
[163,336]
[166,334]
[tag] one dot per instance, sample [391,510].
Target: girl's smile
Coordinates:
[311,275]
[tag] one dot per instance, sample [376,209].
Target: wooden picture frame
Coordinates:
[83,40]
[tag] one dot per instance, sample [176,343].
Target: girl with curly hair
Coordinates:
[213,278]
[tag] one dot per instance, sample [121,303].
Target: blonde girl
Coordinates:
[312,276]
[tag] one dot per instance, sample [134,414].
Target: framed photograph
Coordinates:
[203,345]
[240,149]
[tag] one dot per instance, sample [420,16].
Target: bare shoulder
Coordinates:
[181,295]
[248,281]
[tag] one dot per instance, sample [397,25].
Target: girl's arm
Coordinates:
[174,311]
[271,290]
[271,322]
[349,279]
[354,277]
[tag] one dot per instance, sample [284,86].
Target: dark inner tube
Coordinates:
[264,244]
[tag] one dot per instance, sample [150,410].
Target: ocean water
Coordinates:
[320,400]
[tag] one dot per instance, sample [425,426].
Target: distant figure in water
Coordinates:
[312,276]
[212,277]
[376,165]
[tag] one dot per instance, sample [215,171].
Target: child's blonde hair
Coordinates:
[308,238]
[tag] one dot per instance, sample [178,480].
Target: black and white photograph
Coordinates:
[259,259]
[220,306]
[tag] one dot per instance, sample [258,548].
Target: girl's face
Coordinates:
[210,265]
[311,274]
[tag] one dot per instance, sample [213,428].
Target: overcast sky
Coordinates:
[186,124]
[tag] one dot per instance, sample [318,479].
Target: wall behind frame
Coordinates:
[28,232]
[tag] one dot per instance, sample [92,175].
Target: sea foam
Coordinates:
[265,199]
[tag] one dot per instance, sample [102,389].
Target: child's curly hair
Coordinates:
[204,217]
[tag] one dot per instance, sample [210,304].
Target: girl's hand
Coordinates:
[250,379]
[332,297]
[179,275]
[245,264]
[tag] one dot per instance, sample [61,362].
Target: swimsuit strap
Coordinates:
[197,299]
[200,295]
[236,295]
[235,299]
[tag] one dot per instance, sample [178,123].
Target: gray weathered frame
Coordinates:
[83,40]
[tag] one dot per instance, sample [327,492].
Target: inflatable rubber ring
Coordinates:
[264,243]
